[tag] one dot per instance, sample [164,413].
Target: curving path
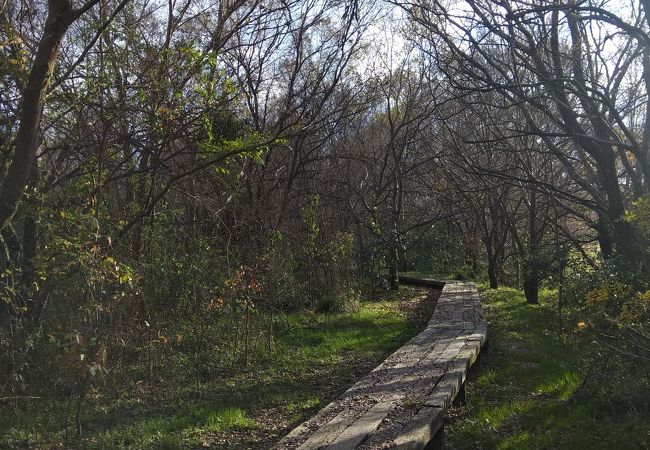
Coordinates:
[401,403]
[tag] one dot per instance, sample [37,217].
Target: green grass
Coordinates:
[524,395]
[316,357]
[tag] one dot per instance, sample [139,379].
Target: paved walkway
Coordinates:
[401,403]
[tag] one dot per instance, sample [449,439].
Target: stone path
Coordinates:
[402,402]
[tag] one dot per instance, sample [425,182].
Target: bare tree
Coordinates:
[552,59]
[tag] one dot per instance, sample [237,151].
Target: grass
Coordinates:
[316,357]
[526,395]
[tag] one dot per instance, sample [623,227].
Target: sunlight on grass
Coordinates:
[228,418]
[523,396]
[563,387]
[516,441]
[315,358]
[494,417]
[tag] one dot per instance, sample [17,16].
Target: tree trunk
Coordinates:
[624,235]
[531,271]
[531,287]
[30,235]
[493,270]
[604,236]
[60,16]
[393,269]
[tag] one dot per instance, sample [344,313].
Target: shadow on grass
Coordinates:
[316,359]
[523,396]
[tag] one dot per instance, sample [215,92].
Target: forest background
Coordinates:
[179,175]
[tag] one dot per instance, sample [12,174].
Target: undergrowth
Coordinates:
[315,357]
[539,388]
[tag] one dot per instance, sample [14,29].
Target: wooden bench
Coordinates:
[401,404]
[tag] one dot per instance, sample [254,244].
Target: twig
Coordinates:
[584,382]
[20,397]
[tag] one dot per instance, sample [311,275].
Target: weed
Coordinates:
[315,358]
[524,397]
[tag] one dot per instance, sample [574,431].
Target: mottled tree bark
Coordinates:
[60,16]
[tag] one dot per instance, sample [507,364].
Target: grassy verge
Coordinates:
[316,357]
[528,393]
